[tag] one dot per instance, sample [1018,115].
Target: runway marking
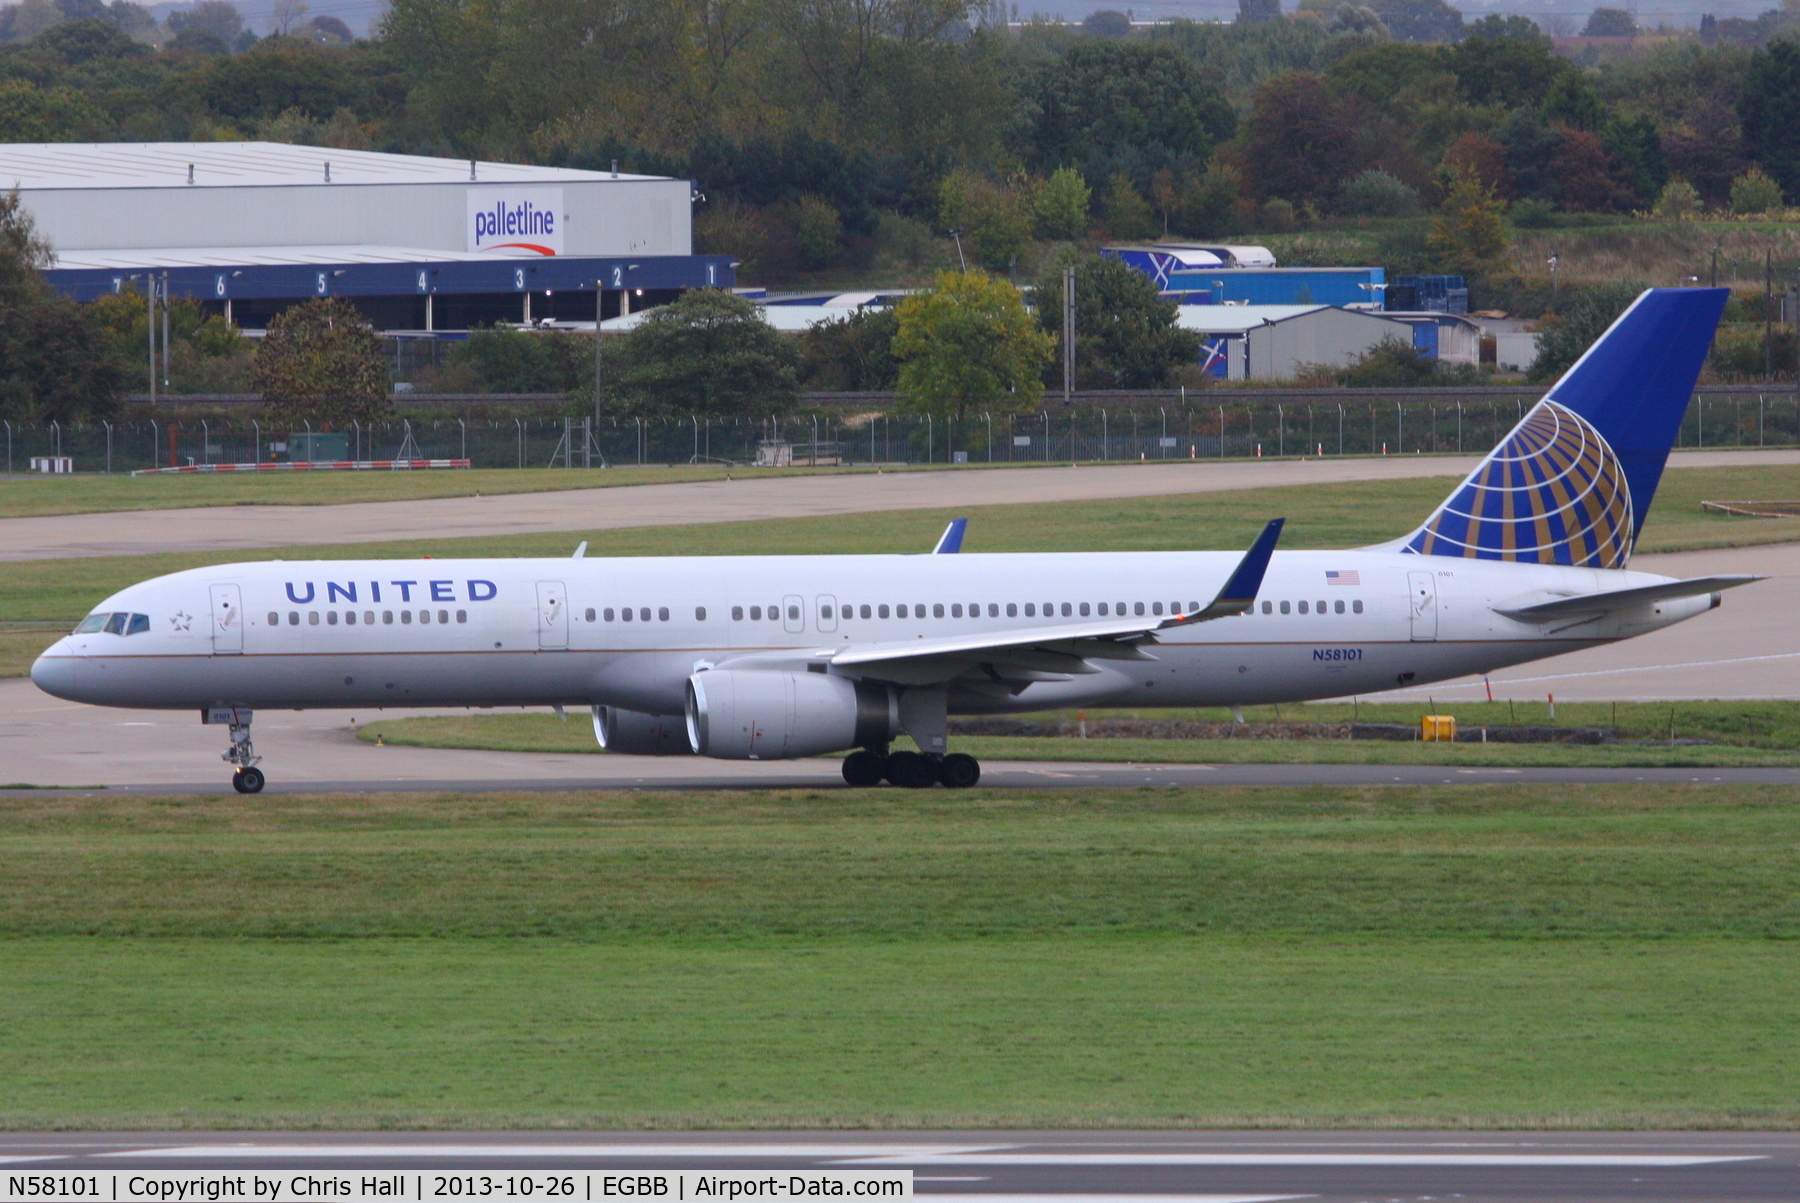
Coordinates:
[808,1151]
[1550,1160]
[43,1157]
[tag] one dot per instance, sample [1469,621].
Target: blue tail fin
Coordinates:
[1572,482]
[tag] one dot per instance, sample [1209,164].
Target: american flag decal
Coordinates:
[1351,576]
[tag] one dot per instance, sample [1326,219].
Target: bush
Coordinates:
[1278,217]
[854,354]
[506,361]
[320,362]
[1680,201]
[708,353]
[1375,193]
[1394,363]
[1062,205]
[1585,317]
[1754,192]
[819,231]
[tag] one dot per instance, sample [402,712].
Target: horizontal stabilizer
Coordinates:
[1623,599]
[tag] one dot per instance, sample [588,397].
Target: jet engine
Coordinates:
[750,715]
[634,733]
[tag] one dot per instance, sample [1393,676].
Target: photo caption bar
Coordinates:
[437,1186]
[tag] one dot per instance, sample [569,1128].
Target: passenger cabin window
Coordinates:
[607,614]
[1268,607]
[1302,608]
[387,618]
[883,611]
[349,618]
[864,611]
[625,614]
[937,611]
[590,615]
[1155,608]
[406,618]
[825,611]
[443,616]
[662,614]
[699,613]
[424,615]
[1337,607]
[462,616]
[1012,609]
[1285,608]
[737,613]
[900,611]
[312,618]
[1356,606]
[1065,609]
[274,619]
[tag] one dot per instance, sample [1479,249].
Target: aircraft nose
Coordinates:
[54,672]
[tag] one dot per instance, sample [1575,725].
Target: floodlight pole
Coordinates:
[599,307]
[165,311]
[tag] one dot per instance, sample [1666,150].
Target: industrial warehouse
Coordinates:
[415,243]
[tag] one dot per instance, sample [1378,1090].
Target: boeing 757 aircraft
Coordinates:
[775,657]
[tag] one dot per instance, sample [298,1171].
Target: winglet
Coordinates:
[1239,593]
[580,552]
[950,542]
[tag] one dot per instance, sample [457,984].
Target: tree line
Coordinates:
[808,123]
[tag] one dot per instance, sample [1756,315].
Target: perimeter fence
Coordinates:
[852,431]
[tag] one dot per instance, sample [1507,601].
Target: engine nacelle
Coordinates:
[634,733]
[750,715]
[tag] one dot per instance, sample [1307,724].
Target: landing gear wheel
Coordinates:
[911,770]
[864,768]
[959,771]
[247,781]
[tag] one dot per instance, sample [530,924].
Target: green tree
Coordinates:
[1610,23]
[1420,20]
[819,231]
[55,363]
[1062,204]
[995,219]
[1127,213]
[509,361]
[320,362]
[1506,61]
[1209,203]
[1376,193]
[1770,100]
[1566,336]
[29,113]
[854,354]
[969,344]
[709,353]
[1680,201]
[1126,335]
[1754,192]
[1103,104]
[1468,234]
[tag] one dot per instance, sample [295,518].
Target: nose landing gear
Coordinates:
[246,778]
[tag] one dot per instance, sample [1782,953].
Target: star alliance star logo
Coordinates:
[180,621]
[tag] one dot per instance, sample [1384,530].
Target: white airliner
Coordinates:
[774,657]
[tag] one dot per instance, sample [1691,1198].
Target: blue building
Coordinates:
[1220,275]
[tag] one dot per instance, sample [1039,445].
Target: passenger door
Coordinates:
[552,616]
[227,620]
[1422,589]
[793,614]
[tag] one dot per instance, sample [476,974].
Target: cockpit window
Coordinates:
[117,623]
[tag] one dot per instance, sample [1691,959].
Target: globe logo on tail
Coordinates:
[1552,493]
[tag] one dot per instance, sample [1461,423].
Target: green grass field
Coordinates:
[1748,733]
[25,495]
[1486,956]
[1339,515]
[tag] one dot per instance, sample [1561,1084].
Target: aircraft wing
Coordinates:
[1053,653]
[1622,599]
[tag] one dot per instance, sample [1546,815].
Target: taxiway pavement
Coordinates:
[745,498]
[1032,1167]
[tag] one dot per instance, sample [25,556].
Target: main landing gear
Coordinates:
[246,778]
[910,770]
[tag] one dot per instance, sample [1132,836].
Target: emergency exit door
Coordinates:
[553,616]
[1423,588]
[227,620]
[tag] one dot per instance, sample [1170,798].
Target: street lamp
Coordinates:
[957,235]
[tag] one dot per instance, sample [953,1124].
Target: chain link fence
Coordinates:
[1128,428]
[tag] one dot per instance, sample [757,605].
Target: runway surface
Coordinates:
[741,499]
[48,742]
[1035,1167]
